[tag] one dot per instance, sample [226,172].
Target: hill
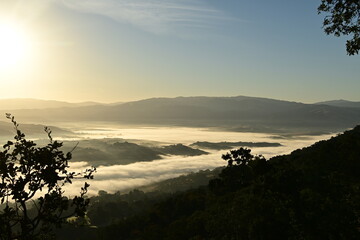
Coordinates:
[29,103]
[229,145]
[6,129]
[341,103]
[229,113]
[107,152]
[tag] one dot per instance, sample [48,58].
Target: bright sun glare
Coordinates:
[14,46]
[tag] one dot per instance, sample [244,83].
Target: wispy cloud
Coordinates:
[158,16]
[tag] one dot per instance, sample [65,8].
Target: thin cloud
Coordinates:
[157,16]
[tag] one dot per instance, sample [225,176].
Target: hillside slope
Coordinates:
[341,103]
[313,193]
[231,113]
[29,103]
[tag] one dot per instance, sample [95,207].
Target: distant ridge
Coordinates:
[29,103]
[7,129]
[239,113]
[341,103]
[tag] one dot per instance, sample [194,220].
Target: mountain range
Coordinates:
[239,113]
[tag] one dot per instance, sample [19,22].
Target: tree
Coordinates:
[343,19]
[31,188]
[240,172]
[241,156]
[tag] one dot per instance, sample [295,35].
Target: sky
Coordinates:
[123,50]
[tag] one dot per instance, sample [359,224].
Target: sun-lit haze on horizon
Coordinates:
[110,51]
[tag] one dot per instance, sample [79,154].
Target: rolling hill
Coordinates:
[341,103]
[34,130]
[29,103]
[232,113]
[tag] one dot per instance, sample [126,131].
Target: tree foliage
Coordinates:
[343,18]
[241,156]
[31,187]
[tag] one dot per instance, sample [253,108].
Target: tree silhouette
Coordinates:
[241,156]
[31,188]
[343,19]
[240,172]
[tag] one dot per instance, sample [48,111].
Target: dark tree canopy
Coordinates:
[31,188]
[343,19]
[238,156]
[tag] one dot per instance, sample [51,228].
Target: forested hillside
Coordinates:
[313,193]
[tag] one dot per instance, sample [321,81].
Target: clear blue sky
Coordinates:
[119,50]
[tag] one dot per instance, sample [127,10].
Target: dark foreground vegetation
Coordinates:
[32,200]
[313,193]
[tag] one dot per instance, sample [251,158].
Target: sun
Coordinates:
[14,45]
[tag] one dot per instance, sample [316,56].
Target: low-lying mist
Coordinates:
[122,177]
[130,157]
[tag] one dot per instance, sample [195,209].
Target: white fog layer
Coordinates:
[123,177]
